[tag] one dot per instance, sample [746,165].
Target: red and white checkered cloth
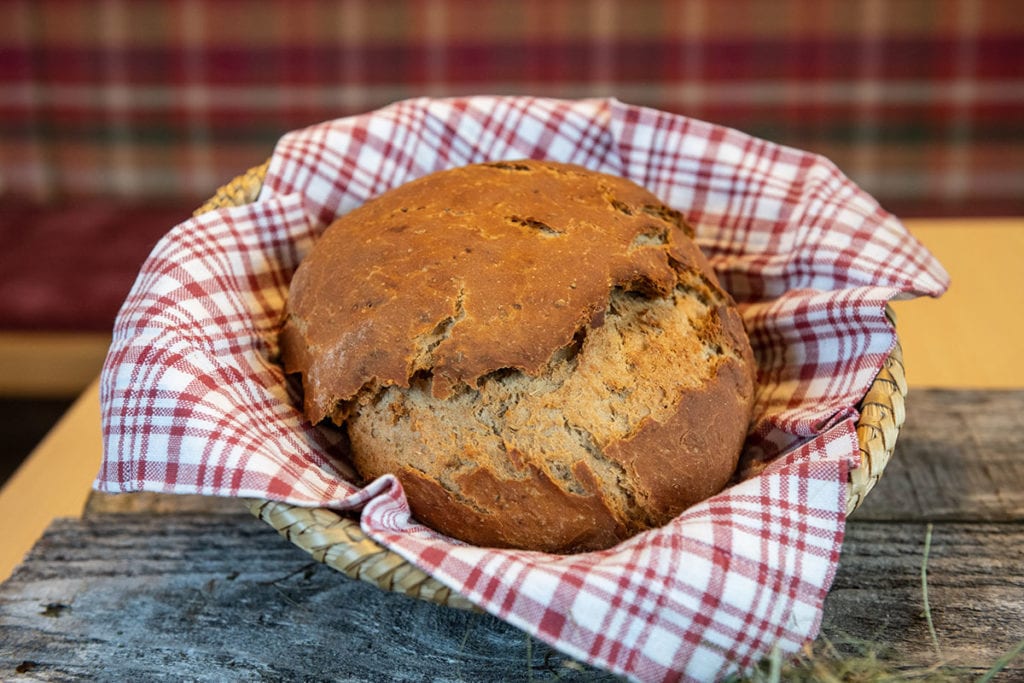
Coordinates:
[193,401]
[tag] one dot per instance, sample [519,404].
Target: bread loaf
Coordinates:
[540,353]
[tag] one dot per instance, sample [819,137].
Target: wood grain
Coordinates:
[148,586]
[227,599]
[959,457]
[958,466]
[975,593]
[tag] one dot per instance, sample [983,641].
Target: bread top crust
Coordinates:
[465,272]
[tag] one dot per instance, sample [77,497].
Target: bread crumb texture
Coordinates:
[539,352]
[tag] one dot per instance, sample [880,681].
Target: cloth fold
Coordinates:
[194,402]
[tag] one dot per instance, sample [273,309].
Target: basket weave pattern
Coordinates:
[338,541]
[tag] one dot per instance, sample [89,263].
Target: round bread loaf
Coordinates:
[540,353]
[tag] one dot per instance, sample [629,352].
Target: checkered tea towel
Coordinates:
[193,401]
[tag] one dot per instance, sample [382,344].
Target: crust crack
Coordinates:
[425,344]
[536,224]
[608,470]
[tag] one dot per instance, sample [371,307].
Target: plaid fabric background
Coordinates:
[919,101]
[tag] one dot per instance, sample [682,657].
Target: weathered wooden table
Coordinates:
[149,587]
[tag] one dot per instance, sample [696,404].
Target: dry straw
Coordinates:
[338,541]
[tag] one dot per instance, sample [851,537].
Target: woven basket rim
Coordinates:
[338,541]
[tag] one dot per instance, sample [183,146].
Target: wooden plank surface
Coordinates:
[149,586]
[958,469]
[959,457]
[975,595]
[227,599]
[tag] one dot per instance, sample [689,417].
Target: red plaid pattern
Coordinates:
[919,101]
[193,402]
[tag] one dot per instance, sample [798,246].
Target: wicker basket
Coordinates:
[339,542]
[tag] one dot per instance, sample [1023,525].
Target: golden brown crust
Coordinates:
[468,271]
[692,455]
[533,512]
[541,354]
